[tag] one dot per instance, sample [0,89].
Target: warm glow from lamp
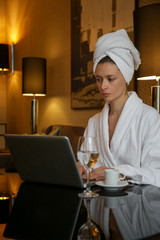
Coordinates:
[15,21]
[14,37]
[4,198]
[4,69]
[149,78]
[31,94]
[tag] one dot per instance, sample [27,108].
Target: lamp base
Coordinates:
[155,92]
[34,115]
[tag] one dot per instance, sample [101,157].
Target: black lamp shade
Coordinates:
[147,39]
[33,76]
[4,57]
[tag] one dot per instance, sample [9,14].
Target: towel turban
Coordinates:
[118,46]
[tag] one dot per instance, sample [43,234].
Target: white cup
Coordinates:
[112,177]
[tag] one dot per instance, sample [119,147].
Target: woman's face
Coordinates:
[110,81]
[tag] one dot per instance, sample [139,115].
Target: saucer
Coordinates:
[108,187]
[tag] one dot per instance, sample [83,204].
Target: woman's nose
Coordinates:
[104,84]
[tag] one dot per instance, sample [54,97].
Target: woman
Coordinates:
[127,130]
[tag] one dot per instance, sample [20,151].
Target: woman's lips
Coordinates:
[106,94]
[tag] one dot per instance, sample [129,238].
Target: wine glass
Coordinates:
[87,154]
[88,230]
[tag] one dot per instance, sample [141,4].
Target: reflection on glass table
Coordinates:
[133,214]
[88,230]
[48,212]
[43,211]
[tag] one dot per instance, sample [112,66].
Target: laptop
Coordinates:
[45,159]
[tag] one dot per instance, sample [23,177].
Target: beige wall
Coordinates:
[2,76]
[41,29]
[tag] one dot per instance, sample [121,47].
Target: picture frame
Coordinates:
[90,19]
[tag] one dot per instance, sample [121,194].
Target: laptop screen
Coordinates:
[45,159]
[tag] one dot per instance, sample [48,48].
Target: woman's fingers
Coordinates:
[97,173]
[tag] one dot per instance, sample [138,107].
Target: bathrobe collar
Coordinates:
[129,113]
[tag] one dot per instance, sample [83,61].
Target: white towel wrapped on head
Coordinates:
[118,46]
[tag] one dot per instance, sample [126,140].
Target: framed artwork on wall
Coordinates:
[90,19]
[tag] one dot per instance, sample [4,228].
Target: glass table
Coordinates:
[9,186]
[43,211]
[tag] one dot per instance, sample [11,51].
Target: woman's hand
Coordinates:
[97,174]
[81,168]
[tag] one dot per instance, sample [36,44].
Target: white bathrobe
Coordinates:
[135,145]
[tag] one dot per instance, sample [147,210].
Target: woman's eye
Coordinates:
[111,79]
[98,79]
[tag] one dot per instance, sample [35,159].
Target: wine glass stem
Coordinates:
[88,177]
[88,209]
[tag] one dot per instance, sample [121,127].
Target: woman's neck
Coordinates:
[114,114]
[117,105]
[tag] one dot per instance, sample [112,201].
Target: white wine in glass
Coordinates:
[87,154]
[94,157]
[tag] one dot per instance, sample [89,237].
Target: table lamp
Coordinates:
[155,91]
[4,57]
[147,35]
[34,84]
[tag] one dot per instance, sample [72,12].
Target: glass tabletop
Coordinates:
[46,212]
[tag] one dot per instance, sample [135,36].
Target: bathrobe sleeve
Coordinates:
[135,146]
[146,169]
